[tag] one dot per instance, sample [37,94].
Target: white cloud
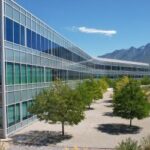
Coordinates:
[95,31]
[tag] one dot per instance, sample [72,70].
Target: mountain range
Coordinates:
[141,54]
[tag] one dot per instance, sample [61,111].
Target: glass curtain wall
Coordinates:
[35,55]
[1,40]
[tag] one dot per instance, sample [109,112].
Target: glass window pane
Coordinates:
[42,44]
[46,45]
[42,74]
[33,40]
[23,74]
[38,74]
[10,98]
[9,30]
[33,25]
[28,107]
[29,75]
[38,42]
[9,74]
[54,47]
[48,75]
[28,21]
[23,57]
[24,95]
[28,38]
[24,110]
[1,124]
[49,47]
[17,95]
[22,36]
[11,115]
[33,74]
[9,11]
[17,113]
[16,15]
[17,74]
[9,55]
[16,33]
[23,19]
[17,56]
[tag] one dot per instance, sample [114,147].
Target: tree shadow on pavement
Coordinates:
[110,106]
[117,129]
[108,101]
[39,138]
[88,109]
[109,114]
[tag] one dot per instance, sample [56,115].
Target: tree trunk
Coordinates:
[130,122]
[63,129]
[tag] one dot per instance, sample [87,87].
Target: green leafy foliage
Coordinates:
[130,101]
[110,82]
[120,83]
[89,90]
[145,80]
[128,144]
[146,90]
[103,84]
[96,90]
[84,90]
[60,103]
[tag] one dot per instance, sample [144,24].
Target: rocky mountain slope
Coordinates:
[141,54]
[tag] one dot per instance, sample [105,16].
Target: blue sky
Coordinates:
[96,26]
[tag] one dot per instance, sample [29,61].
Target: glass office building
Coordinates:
[33,55]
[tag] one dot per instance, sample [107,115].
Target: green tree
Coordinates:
[131,102]
[84,90]
[120,83]
[110,82]
[103,84]
[97,90]
[89,90]
[145,80]
[59,103]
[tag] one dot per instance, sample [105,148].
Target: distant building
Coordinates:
[32,55]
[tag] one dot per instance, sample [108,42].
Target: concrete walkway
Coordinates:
[100,129]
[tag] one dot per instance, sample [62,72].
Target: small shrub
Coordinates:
[128,144]
[145,143]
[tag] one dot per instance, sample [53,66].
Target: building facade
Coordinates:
[33,55]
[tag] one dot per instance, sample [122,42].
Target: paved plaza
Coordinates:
[100,129]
